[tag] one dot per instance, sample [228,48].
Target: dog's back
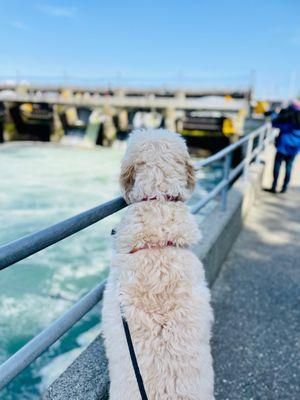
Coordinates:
[160,285]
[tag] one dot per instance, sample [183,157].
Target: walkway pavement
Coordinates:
[256,345]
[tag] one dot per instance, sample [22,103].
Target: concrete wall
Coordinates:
[87,377]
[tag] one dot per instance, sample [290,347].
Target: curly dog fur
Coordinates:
[161,287]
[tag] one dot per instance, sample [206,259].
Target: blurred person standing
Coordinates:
[287,142]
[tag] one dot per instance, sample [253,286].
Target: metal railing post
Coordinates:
[265,137]
[260,144]
[226,171]
[248,157]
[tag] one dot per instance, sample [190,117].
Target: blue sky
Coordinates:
[176,43]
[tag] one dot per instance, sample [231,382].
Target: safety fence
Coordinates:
[253,144]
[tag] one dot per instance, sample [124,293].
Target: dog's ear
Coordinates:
[126,179]
[191,175]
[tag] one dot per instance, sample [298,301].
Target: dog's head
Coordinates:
[156,164]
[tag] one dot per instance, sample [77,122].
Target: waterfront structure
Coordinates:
[209,119]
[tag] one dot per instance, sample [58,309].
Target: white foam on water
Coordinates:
[56,367]
[42,184]
[59,364]
[87,337]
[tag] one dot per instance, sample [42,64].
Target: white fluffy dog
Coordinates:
[156,280]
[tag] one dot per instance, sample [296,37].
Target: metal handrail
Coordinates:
[229,149]
[26,246]
[265,134]
[30,244]
[36,346]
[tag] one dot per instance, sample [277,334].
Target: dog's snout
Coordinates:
[113,232]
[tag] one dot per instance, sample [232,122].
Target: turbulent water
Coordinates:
[42,184]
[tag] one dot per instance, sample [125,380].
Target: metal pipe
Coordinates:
[248,157]
[221,154]
[26,246]
[226,172]
[261,137]
[216,190]
[234,173]
[237,170]
[35,347]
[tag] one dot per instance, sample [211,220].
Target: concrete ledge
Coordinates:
[220,229]
[87,377]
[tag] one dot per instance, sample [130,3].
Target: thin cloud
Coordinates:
[19,25]
[295,40]
[58,11]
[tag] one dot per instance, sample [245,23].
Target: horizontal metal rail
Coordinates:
[213,193]
[28,245]
[229,149]
[31,244]
[35,347]
[265,135]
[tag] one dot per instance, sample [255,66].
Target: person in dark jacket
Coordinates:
[287,142]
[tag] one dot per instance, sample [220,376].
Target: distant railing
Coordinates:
[22,248]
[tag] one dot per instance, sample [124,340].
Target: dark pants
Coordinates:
[288,169]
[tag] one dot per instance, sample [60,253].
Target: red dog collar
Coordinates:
[146,246]
[166,196]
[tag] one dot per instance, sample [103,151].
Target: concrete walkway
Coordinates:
[256,343]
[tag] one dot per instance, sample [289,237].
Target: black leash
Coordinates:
[134,360]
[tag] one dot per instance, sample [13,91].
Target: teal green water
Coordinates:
[42,184]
